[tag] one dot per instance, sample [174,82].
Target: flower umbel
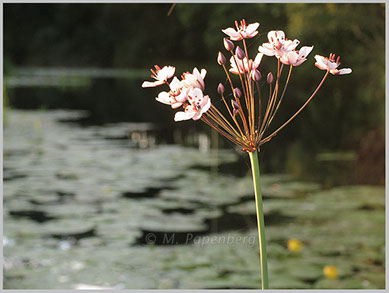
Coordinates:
[248,114]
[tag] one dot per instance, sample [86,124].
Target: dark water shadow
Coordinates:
[226,222]
[150,192]
[75,235]
[33,215]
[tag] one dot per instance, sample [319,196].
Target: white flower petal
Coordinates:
[251,30]
[180,116]
[165,98]
[304,51]
[196,72]
[332,65]
[194,79]
[203,73]
[345,71]
[176,105]
[234,70]
[292,57]
[166,72]
[252,27]
[257,60]
[321,62]
[272,37]
[175,84]
[289,58]
[300,61]
[197,116]
[195,95]
[341,71]
[183,96]
[321,66]
[228,31]
[189,80]
[234,65]
[207,105]
[233,34]
[284,59]
[280,35]
[289,46]
[152,84]
[265,50]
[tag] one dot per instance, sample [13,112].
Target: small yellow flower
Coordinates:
[330,272]
[295,245]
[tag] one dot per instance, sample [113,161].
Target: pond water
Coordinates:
[111,207]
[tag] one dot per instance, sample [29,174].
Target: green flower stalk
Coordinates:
[248,110]
[260,219]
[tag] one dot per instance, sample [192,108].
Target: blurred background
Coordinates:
[93,163]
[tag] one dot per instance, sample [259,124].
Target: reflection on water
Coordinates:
[114,206]
[109,95]
[66,77]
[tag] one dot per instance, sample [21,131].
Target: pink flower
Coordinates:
[177,95]
[178,90]
[195,79]
[198,105]
[296,58]
[242,31]
[161,75]
[278,45]
[240,66]
[331,65]
[167,99]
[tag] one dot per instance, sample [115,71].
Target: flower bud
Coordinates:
[237,93]
[228,45]
[235,104]
[270,78]
[221,59]
[235,107]
[256,75]
[220,88]
[239,53]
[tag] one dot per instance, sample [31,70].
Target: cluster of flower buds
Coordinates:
[239,61]
[187,92]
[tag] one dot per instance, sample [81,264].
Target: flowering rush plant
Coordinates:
[249,112]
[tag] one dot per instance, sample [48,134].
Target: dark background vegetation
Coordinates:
[347,115]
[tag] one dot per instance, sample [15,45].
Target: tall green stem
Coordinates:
[260,218]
